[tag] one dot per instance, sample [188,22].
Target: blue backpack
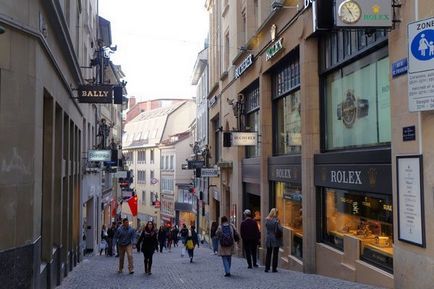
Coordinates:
[226,239]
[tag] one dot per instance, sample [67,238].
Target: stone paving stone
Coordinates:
[170,271]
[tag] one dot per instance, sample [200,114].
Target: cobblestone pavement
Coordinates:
[170,271]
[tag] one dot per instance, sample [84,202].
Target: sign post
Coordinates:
[421,65]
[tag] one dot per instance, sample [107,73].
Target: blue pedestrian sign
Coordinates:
[421,65]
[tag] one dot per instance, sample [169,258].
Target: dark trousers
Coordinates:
[190,253]
[275,251]
[250,250]
[162,245]
[110,246]
[147,255]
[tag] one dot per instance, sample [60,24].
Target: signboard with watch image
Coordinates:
[362,13]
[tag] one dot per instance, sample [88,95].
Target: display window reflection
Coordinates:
[289,206]
[367,217]
[358,104]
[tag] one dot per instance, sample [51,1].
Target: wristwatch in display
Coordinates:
[351,109]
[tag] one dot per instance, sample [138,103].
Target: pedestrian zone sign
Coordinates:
[421,65]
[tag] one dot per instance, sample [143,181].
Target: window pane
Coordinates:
[358,114]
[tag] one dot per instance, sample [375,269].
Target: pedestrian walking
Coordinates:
[175,238]
[119,224]
[227,236]
[110,236]
[169,238]
[191,241]
[273,239]
[250,235]
[214,239]
[103,244]
[147,243]
[162,238]
[184,234]
[125,236]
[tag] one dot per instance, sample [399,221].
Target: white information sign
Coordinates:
[421,65]
[410,200]
[99,155]
[120,174]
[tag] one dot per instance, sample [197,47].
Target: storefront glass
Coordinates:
[288,204]
[358,104]
[288,124]
[368,217]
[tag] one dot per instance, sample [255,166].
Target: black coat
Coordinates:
[249,230]
[147,241]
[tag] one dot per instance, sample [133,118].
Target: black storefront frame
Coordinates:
[290,172]
[359,159]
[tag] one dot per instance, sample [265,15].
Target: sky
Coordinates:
[157,44]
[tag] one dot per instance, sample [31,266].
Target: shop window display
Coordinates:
[288,204]
[358,114]
[368,217]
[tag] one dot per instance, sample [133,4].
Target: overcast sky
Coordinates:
[158,42]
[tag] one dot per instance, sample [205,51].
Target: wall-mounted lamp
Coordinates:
[2,29]
[276,5]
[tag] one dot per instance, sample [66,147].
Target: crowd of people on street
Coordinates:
[122,238]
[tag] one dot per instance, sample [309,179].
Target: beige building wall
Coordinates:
[413,265]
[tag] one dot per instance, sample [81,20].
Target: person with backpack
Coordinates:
[273,239]
[191,241]
[227,236]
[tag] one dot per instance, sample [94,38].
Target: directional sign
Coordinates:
[421,65]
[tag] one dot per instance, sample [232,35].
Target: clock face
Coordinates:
[350,12]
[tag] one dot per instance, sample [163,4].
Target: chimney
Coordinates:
[131,102]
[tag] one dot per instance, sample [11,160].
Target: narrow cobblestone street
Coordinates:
[171,271]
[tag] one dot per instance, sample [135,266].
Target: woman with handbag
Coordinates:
[273,239]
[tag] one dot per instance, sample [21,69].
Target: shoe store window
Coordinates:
[365,216]
[288,204]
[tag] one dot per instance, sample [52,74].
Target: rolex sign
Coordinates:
[95,93]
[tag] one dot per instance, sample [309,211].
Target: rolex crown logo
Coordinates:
[376,9]
[372,176]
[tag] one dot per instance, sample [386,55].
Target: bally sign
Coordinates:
[95,93]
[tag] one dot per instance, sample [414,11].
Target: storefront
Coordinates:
[286,196]
[353,174]
[356,202]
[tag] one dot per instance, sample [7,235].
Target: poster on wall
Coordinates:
[411,225]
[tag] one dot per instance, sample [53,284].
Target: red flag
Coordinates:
[132,202]
[114,206]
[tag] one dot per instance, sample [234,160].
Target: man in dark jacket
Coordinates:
[250,235]
[110,235]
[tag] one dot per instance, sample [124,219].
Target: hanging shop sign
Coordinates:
[274,49]
[99,155]
[421,65]
[244,138]
[363,14]
[244,65]
[120,175]
[209,172]
[95,93]
[195,164]
[411,226]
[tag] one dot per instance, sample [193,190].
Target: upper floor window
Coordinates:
[152,156]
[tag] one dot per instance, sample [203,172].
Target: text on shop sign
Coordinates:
[346,177]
